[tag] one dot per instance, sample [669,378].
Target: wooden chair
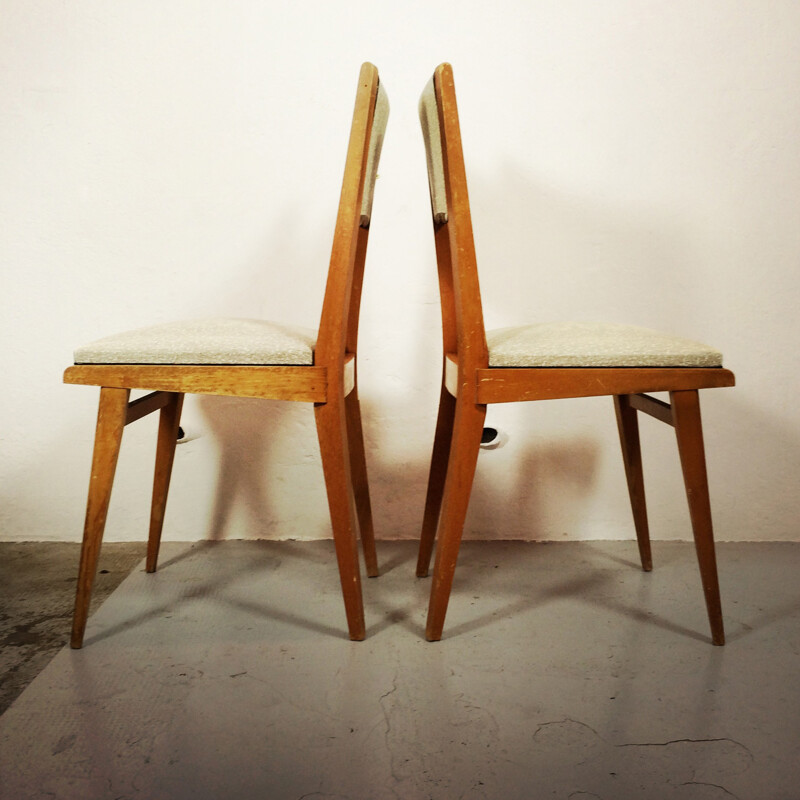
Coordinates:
[538,362]
[252,358]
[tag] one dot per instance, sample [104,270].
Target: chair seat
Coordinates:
[205,341]
[594,344]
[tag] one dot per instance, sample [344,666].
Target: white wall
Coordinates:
[627,161]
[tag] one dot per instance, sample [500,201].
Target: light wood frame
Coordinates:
[469,384]
[331,384]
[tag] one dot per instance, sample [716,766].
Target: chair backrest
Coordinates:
[462,315]
[338,328]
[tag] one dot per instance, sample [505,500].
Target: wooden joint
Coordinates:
[652,406]
[143,406]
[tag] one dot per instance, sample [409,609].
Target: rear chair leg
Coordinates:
[111,417]
[689,430]
[358,471]
[436,479]
[628,425]
[168,423]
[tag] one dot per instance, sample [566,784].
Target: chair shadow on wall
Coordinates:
[548,473]
[244,431]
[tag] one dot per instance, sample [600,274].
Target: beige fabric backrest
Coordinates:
[379,120]
[429,119]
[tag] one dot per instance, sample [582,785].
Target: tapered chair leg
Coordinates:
[628,425]
[168,424]
[111,417]
[689,430]
[358,472]
[466,441]
[436,480]
[332,431]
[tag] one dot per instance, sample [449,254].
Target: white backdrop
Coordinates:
[632,162]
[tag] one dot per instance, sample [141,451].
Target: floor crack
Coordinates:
[387,733]
[715,785]
[684,741]
[574,722]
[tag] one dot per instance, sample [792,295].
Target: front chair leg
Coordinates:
[466,442]
[628,425]
[689,430]
[358,472]
[168,424]
[111,417]
[332,432]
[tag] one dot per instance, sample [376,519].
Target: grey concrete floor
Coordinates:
[565,672]
[37,594]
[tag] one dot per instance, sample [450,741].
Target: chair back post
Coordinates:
[338,329]
[462,312]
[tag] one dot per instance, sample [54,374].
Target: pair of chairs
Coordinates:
[254,358]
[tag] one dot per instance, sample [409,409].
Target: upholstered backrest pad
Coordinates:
[594,344]
[205,341]
[429,120]
[379,120]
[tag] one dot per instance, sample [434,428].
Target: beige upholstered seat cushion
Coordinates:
[205,341]
[429,120]
[594,344]
[379,120]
